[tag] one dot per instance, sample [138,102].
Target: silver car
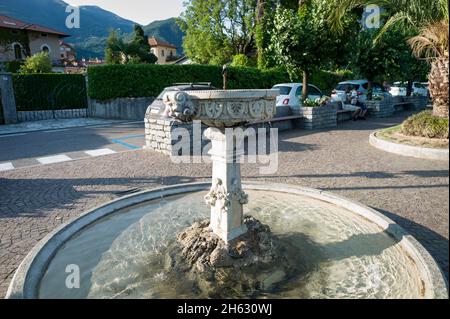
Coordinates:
[361,86]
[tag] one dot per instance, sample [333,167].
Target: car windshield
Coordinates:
[344,86]
[284,90]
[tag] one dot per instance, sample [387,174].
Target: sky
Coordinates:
[141,11]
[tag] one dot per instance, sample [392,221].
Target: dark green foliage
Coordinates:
[327,80]
[426,125]
[13,66]
[136,51]
[113,81]
[35,92]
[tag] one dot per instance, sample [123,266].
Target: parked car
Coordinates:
[158,106]
[361,86]
[291,93]
[418,88]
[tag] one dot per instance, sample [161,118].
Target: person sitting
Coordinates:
[353,103]
[360,107]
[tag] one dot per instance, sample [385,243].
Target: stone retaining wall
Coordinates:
[379,109]
[319,117]
[419,103]
[25,116]
[120,109]
[161,136]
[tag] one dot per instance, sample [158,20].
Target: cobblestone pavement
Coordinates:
[413,192]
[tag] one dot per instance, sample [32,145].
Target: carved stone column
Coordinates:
[226,196]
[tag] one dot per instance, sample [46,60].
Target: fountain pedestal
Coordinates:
[226,196]
[223,110]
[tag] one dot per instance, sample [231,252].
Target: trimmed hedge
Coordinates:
[147,80]
[53,91]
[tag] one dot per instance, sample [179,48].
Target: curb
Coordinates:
[409,150]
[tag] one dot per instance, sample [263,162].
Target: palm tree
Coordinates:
[430,18]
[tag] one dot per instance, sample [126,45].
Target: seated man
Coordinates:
[352,103]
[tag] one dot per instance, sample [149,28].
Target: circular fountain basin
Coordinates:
[345,250]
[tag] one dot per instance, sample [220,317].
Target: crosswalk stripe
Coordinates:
[100,152]
[6,167]
[54,159]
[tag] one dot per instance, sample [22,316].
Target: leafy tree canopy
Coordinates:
[216,30]
[136,51]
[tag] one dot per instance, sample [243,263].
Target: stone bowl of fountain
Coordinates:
[228,240]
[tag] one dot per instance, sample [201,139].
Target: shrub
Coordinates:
[240,60]
[49,91]
[38,63]
[114,81]
[426,125]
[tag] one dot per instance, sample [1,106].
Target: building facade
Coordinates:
[19,39]
[164,51]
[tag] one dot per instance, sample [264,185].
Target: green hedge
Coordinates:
[53,91]
[114,81]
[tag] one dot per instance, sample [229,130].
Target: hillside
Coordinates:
[95,24]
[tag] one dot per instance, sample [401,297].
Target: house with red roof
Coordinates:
[164,51]
[19,39]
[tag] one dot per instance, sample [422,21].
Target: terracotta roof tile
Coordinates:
[157,42]
[10,23]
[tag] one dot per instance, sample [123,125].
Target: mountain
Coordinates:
[95,24]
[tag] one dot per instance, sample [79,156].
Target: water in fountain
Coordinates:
[335,253]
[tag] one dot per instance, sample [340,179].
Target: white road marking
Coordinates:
[6,167]
[54,159]
[100,152]
[57,130]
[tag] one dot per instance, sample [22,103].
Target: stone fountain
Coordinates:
[227,242]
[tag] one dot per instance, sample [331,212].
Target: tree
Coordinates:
[136,51]
[378,60]
[114,48]
[216,30]
[431,21]
[301,40]
[38,63]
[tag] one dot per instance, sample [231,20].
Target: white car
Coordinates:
[338,94]
[418,88]
[291,94]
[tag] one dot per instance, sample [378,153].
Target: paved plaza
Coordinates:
[412,192]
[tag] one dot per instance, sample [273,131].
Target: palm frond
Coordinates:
[432,41]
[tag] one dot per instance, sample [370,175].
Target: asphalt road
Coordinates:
[46,147]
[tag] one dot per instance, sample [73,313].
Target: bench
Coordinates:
[344,115]
[283,123]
